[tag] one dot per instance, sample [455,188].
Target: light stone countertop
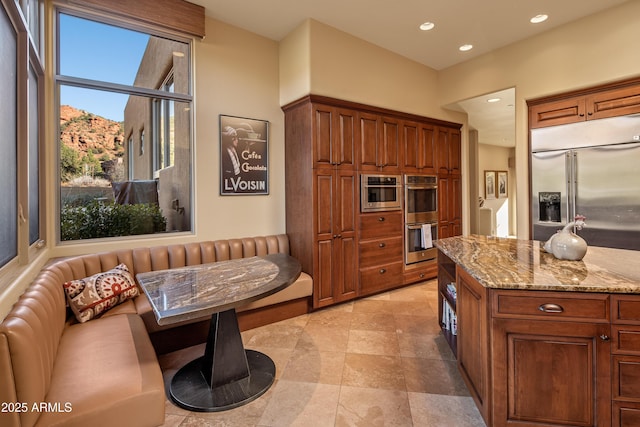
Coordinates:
[196,291]
[522,264]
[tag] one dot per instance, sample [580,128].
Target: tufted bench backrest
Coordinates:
[30,334]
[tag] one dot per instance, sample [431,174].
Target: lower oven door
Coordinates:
[419,242]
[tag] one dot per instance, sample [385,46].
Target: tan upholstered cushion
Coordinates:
[93,295]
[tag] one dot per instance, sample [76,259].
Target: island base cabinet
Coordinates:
[551,373]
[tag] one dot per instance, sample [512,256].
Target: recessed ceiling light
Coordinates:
[466,47]
[427,26]
[178,54]
[538,19]
[492,100]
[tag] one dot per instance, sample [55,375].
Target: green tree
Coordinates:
[70,165]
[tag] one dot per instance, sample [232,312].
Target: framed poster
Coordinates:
[244,148]
[489,185]
[502,182]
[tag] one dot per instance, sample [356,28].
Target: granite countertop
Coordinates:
[522,264]
[196,291]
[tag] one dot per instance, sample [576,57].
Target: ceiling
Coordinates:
[393,25]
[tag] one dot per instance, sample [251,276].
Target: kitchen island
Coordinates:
[542,341]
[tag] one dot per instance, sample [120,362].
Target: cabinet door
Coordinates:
[410,142]
[612,103]
[443,206]
[322,127]
[369,132]
[333,137]
[324,241]
[442,150]
[390,147]
[557,113]
[336,244]
[551,373]
[455,205]
[472,340]
[345,256]
[418,144]
[344,142]
[454,146]
[427,149]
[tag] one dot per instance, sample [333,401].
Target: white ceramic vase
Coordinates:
[566,244]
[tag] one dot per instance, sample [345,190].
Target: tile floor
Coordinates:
[377,361]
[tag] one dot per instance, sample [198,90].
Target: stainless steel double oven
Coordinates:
[421,217]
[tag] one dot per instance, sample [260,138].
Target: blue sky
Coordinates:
[99,52]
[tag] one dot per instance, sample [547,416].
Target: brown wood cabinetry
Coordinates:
[418,144]
[381,261]
[336,240]
[328,144]
[616,99]
[449,182]
[545,358]
[449,206]
[473,349]
[379,146]
[550,359]
[334,134]
[322,197]
[625,314]
[448,151]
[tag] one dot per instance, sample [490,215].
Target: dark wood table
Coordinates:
[227,375]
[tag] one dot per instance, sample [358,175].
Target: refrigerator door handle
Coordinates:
[574,179]
[568,178]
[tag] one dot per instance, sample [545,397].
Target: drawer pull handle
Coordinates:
[381,219]
[551,308]
[382,245]
[383,270]
[604,337]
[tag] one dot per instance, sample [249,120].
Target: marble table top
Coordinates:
[197,291]
[522,264]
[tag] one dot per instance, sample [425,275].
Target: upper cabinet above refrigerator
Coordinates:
[621,99]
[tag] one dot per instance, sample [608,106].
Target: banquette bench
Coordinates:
[60,369]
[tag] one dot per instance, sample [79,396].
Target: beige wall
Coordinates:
[594,50]
[496,158]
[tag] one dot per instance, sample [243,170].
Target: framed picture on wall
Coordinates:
[244,148]
[501,184]
[489,184]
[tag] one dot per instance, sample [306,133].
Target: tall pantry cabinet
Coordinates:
[329,143]
[321,198]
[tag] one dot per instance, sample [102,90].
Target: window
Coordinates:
[163,113]
[116,80]
[20,121]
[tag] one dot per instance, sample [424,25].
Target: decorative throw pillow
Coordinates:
[92,296]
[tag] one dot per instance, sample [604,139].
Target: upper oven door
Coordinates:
[380,193]
[421,203]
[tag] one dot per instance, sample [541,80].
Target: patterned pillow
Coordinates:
[92,296]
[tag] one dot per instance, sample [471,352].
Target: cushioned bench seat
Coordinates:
[104,371]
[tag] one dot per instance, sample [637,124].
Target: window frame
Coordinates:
[24,18]
[59,80]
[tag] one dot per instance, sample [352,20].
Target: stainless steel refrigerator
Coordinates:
[590,168]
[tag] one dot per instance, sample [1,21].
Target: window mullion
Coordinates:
[120,88]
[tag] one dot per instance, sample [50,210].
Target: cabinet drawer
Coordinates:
[380,251]
[381,224]
[426,270]
[381,277]
[552,305]
[625,309]
[626,414]
[626,378]
[626,339]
